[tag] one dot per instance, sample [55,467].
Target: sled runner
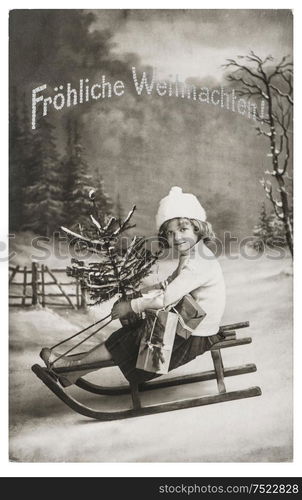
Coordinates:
[219,373]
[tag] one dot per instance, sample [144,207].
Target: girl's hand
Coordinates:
[121,309]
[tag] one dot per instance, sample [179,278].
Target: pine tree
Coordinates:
[27,171]
[67,166]
[80,185]
[113,273]
[78,179]
[262,230]
[119,208]
[102,199]
[120,215]
[16,175]
[269,231]
[43,200]
[278,236]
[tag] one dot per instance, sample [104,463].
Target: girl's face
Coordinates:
[181,235]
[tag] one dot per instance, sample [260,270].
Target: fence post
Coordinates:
[34,282]
[43,285]
[24,285]
[14,272]
[83,296]
[78,293]
[60,287]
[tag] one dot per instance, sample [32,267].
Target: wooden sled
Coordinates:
[219,373]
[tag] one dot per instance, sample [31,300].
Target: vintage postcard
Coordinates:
[151,235]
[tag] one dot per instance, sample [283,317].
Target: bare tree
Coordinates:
[271,82]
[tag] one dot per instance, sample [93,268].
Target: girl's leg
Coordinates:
[98,353]
[95,355]
[82,355]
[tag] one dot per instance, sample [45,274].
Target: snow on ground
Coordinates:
[258,429]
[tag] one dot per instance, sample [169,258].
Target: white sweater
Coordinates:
[198,273]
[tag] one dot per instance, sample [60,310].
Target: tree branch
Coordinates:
[282,94]
[269,193]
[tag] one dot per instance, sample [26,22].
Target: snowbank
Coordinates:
[253,430]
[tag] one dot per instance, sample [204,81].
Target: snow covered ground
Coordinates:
[258,429]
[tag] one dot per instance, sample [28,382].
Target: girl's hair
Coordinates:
[203,230]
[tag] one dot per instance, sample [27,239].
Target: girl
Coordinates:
[181,223]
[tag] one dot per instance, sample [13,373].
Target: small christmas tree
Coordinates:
[262,230]
[269,231]
[115,272]
[278,236]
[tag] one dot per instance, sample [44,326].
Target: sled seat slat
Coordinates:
[231,343]
[234,326]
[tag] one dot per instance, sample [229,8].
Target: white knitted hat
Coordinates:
[179,204]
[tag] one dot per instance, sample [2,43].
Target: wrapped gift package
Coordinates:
[190,315]
[157,341]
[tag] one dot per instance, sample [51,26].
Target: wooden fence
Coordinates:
[41,285]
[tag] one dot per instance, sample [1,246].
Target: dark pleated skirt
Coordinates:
[124,343]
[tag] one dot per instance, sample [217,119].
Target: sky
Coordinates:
[196,43]
[152,143]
